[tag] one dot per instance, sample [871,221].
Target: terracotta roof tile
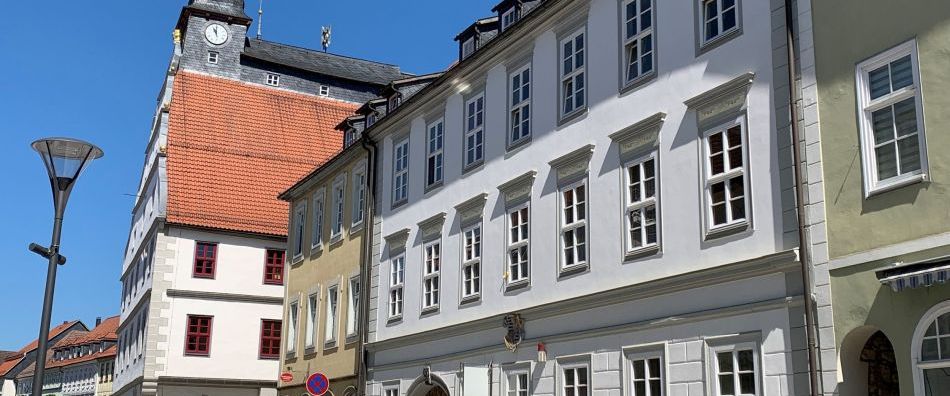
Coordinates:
[233,147]
[7,365]
[105,331]
[53,333]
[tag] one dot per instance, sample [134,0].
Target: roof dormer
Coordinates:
[511,11]
[476,36]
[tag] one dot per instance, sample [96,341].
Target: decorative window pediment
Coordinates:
[518,190]
[470,211]
[723,101]
[396,242]
[432,227]
[641,137]
[574,165]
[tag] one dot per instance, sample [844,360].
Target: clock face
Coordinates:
[216,34]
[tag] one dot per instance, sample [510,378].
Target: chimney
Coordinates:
[98,321]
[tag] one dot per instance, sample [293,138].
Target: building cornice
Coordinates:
[231,297]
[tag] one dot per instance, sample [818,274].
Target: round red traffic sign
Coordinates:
[286,377]
[318,384]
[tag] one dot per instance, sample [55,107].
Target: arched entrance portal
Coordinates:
[435,387]
[878,353]
[868,364]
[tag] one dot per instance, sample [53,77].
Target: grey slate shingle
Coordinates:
[324,63]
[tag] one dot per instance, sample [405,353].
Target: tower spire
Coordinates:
[260,19]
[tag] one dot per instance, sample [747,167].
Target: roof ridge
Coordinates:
[322,52]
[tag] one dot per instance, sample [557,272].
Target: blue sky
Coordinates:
[92,70]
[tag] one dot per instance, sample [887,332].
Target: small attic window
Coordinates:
[509,18]
[273,79]
[370,119]
[324,90]
[212,57]
[468,47]
[394,102]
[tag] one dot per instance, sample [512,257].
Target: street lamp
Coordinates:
[65,159]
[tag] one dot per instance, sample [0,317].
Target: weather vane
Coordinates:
[326,31]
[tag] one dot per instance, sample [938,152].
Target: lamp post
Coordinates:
[65,159]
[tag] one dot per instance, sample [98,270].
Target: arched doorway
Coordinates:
[434,387]
[878,353]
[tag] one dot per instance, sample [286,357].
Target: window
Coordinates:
[432,263]
[646,374]
[434,157]
[891,117]
[574,380]
[638,39]
[273,79]
[573,67]
[329,335]
[517,383]
[316,236]
[397,277]
[736,370]
[720,17]
[212,57]
[641,206]
[371,119]
[468,47]
[198,338]
[206,254]
[474,129]
[509,17]
[471,262]
[932,352]
[312,309]
[391,392]
[394,102]
[359,195]
[726,176]
[353,308]
[338,201]
[292,328]
[274,267]
[574,226]
[270,339]
[299,223]
[520,105]
[401,171]
[324,90]
[350,136]
[518,244]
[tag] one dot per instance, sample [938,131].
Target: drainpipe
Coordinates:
[366,267]
[803,249]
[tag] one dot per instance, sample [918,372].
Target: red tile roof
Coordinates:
[107,353]
[233,147]
[105,331]
[11,361]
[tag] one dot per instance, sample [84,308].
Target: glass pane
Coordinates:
[886,161]
[932,330]
[569,377]
[901,73]
[654,368]
[726,386]
[909,149]
[928,350]
[639,388]
[879,82]
[728,19]
[936,382]
[639,369]
[711,9]
[582,376]
[655,386]
[746,360]
[905,117]
[943,324]
[725,362]
[747,383]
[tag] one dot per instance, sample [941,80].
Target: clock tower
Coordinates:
[213,35]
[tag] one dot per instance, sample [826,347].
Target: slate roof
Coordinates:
[231,8]
[234,146]
[323,63]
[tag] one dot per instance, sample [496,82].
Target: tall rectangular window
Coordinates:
[391,392]
[274,267]
[401,171]
[431,268]
[359,195]
[270,339]
[726,183]
[574,380]
[517,383]
[891,117]
[206,255]
[312,308]
[574,226]
[316,233]
[646,374]
[468,47]
[638,39]
[339,197]
[300,220]
[397,278]
[292,328]
[434,152]
[736,370]
[641,206]
[353,308]
[474,130]
[520,106]
[331,319]
[720,17]
[471,262]
[573,76]
[198,337]
[518,246]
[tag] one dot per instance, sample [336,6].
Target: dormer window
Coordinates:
[324,90]
[349,136]
[273,79]
[509,18]
[370,119]
[394,102]
[468,47]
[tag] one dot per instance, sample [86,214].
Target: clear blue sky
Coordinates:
[92,70]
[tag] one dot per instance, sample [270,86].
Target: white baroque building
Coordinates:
[612,177]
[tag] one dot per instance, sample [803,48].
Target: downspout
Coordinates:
[366,267]
[803,250]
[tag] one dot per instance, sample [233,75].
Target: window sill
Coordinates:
[335,239]
[516,146]
[351,338]
[470,168]
[296,259]
[394,319]
[315,249]
[724,37]
[641,253]
[397,204]
[356,227]
[895,184]
[433,187]
[573,270]
[470,299]
[268,358]
[727,230]
[572,116]
[430,310]
[520,284]
[290,355]
[310,351]
[638,82]
[329,345]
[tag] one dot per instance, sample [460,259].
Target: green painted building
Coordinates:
[875,94]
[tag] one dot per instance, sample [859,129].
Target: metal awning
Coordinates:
[900,276]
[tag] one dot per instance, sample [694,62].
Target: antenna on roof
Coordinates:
[326,31]
[260,18]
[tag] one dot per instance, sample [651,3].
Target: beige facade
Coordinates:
[321,314]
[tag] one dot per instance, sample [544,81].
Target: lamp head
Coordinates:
[65,159]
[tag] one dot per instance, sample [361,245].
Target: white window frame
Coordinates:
[338,198]
[474,262]
[349,136]
[324,90]
[353,304]
[573,366]
[393,103]
[213,57]
[733,349]
[391,390]
[569,79]
[736,7]
[872,184]
[294,308]
[359,196]
[316,225]
[431,275]
[371,119]
[729,173]
[273,79]
[397,281]
[519,105]
[636,41]
[512,245]
[633,204]
[468,47]
[313,318]
[436,153]
[400,171]
[300,224]
[509,18]
[644,354]
[517,371]
[565,227]
[333,308]
[474,129]
[919,365]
